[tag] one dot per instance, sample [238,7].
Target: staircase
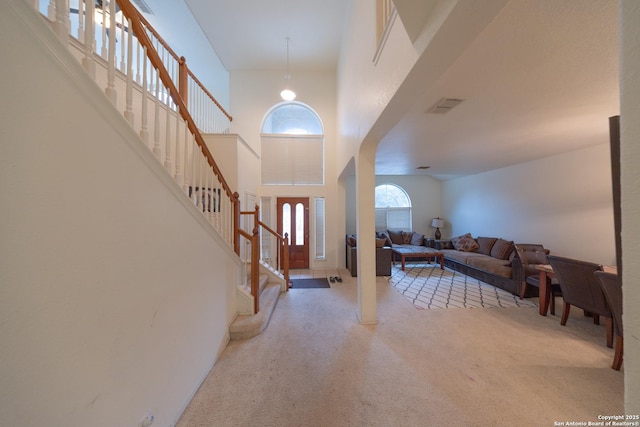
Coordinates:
[149,84]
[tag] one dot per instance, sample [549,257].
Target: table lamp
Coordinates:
[437,223]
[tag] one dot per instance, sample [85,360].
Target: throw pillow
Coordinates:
[396,237]
[386,236]
[417,239]
[351,240]
[455,240]
[380,242]
[502,249]
[406,237]
[486,243]
[466,244]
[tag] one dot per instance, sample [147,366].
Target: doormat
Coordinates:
[310,283]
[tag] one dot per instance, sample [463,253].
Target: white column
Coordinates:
[366,225]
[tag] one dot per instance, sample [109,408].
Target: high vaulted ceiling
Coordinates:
[540,79]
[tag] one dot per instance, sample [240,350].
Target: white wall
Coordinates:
[253,94]
[563,202]
[630,153]
[174,21]
[423,191]
[116,295]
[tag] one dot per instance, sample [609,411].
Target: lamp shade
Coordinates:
[437,223]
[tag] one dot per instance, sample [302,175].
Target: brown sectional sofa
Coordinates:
[489,259]
[492,260]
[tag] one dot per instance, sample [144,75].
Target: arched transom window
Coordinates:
[393,208]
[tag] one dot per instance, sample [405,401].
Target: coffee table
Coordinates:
[427,253]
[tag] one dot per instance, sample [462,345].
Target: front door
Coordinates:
[293,219]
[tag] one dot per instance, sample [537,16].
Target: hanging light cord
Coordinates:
[288,75]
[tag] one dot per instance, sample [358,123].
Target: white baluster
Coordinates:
[123,37]
[51,10]
[138,60]
[62,25]
[144,133]
[211,201]
[81,20]
[167,137]
[110,90]
[194,181]
[128,112]
[88,63]
[105,24]
[199,184]
[201,178]
[156,125]
[178,174]
[187,142]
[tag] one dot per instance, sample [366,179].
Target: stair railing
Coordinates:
[281,264]
[135,60]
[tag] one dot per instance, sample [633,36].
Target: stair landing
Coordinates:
[248,326]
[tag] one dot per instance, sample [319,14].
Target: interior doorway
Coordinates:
[293,219]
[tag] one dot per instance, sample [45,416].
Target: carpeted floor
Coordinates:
[427,286]
[316,365]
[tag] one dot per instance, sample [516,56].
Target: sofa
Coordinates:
[492,260]
[383,256]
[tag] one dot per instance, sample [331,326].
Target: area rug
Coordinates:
[309,283]
[427,286]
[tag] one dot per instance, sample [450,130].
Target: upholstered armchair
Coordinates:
[612,289]
[383,257]
[530,256]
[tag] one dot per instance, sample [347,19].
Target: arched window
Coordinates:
[292,118]
[393,208]
[292,146]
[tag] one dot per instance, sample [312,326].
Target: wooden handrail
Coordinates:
[266,227]
[245,234]
[182,61]
[204,89]
[156,34]
[132,13]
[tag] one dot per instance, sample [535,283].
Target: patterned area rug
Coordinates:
[427,286]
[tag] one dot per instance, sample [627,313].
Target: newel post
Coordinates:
[285,259]
[183,79]
[255,270]
[236,222]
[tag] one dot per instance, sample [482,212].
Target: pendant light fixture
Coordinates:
[287,94]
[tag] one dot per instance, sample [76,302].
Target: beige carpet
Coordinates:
[315,365]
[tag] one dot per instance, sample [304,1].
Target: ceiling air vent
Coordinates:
[143,6]
[444,105]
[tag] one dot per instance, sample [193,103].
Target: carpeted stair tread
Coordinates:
[246,326]
[263,281]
